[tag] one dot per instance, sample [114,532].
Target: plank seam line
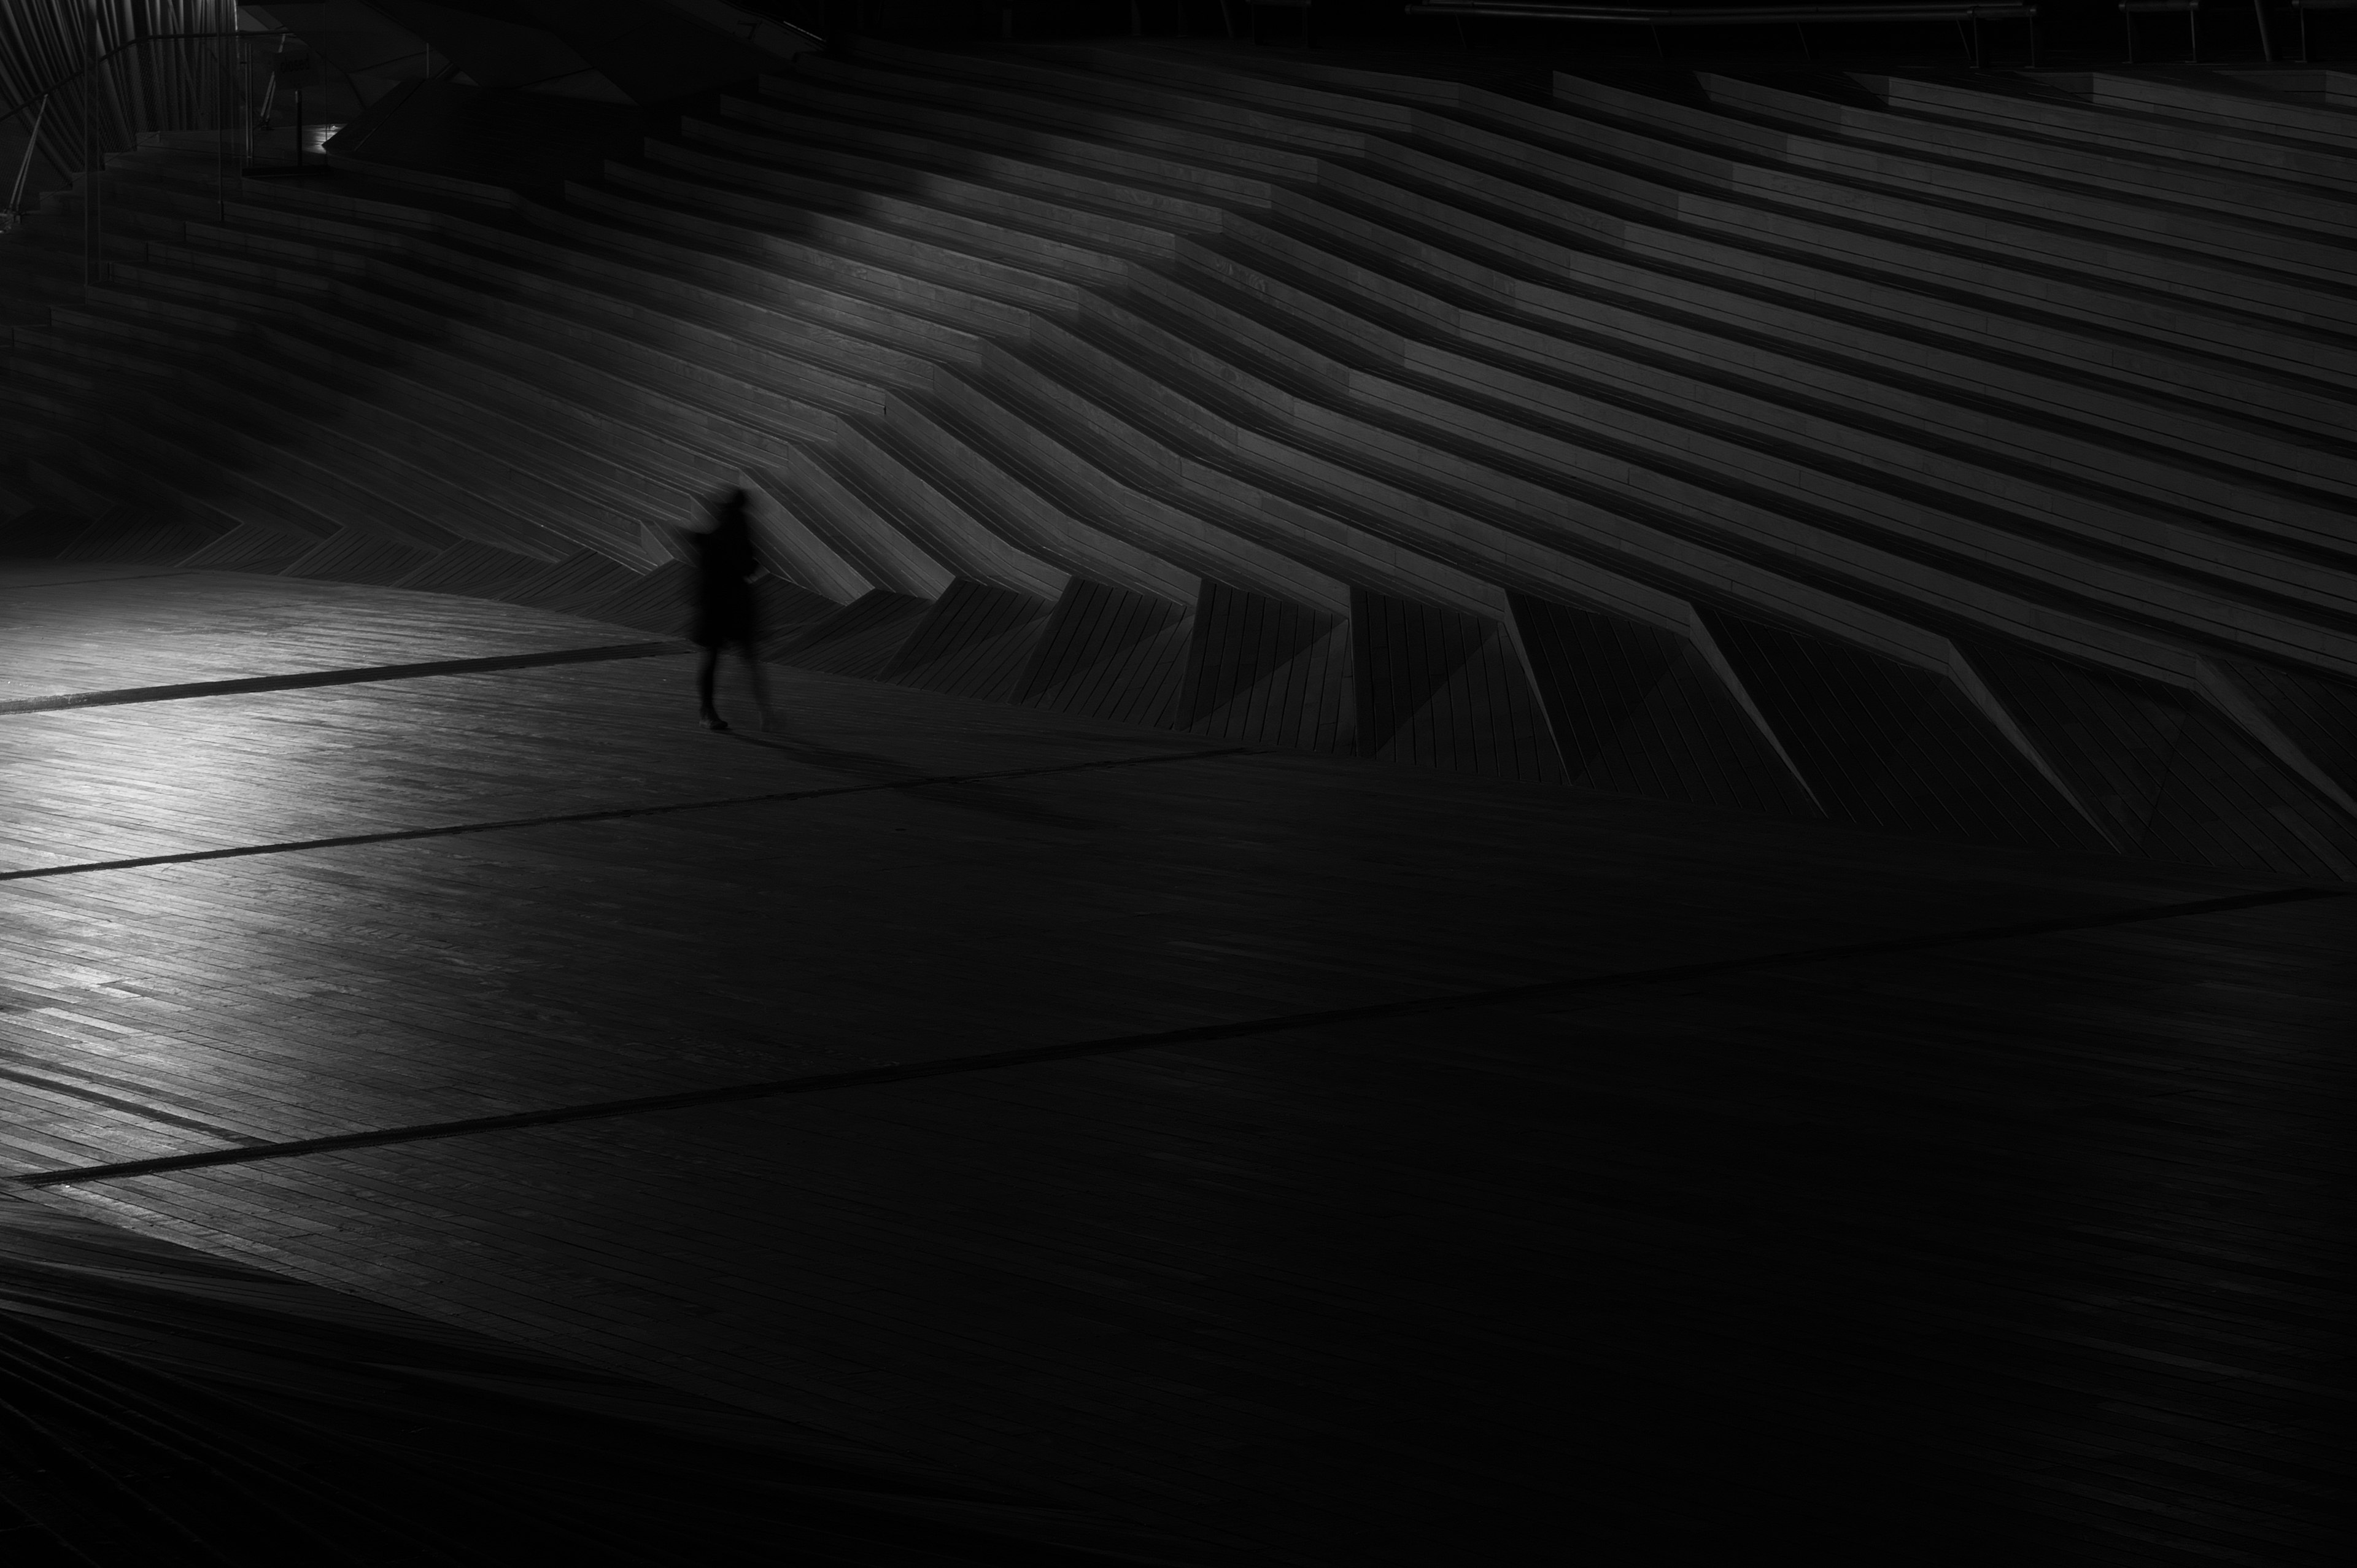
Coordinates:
[145,1112]
[74,582]
[352,676]
[608,814]
[903,1072]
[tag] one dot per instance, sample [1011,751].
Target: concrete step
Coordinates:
[808,294]
[479,256]
[807,170]
[456,459]
[1785,284]
[818,243]
[1621,183]
[2140,288]
[1846,412]
[1106,558]
[740,194]
[1207,360]
[469,567]
[252,547]
[695,469]
[826,537]
[140,406]
[1029,98]
[942,508]
[582,325]
[1550,426]
[145,517]
[2046,227]
[2141,416]
[863,639]
[500,417]
[975,641]
[2000,102]
[964,468]
[1130,212]
[2280,578]
[1107,654]
[2035,159]
[2323,517]
[1344,127]
[2214,97]
[129,429]
[1777,129]
[951,260]
[359,555]
[1403,479]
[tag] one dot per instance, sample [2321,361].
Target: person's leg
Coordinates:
[707,660]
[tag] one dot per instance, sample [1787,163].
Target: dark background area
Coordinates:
[2071,31]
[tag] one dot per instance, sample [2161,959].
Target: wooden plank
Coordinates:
[470,567]
[1264,671]
[355,555]
[1638,711]
[581,578]
[2171,774]
[251,547]
[1110,653]
[2319,716]
[1891,746]
[1445,690]
[143,538]
[976,642]
[1331,1297]
[1317,1292]
[862,638]
[42,533]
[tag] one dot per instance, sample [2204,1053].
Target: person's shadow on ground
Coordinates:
[980,795]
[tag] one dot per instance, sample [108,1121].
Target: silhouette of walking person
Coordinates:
[722,551]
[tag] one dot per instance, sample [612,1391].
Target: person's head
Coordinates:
[725,510]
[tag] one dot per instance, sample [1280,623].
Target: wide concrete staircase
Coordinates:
[1956,457]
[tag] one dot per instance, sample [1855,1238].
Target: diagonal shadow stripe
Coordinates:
[145,1112]
[357,675]
[76,582]
[609,814]
[903,1072]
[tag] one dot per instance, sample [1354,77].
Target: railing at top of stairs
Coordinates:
[168,82]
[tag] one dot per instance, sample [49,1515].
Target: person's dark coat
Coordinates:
[724,564]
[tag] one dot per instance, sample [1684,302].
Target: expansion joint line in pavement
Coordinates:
[356,675]
[989,1061]
[612,813]
[78,582]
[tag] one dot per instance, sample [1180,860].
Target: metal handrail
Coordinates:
[67,80]
[25,163]
[87,80]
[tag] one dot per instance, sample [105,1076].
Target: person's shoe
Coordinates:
[714,721]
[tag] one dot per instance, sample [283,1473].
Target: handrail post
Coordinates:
[24,165]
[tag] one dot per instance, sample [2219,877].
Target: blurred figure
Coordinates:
[720,546]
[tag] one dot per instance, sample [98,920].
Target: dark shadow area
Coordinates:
[861,764]
[167,1406]
[996,801]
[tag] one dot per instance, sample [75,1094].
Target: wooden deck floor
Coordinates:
[1549,1175]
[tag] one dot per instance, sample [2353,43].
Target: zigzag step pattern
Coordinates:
[1951,458]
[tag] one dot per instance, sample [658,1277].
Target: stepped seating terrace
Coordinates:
[1958,457]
